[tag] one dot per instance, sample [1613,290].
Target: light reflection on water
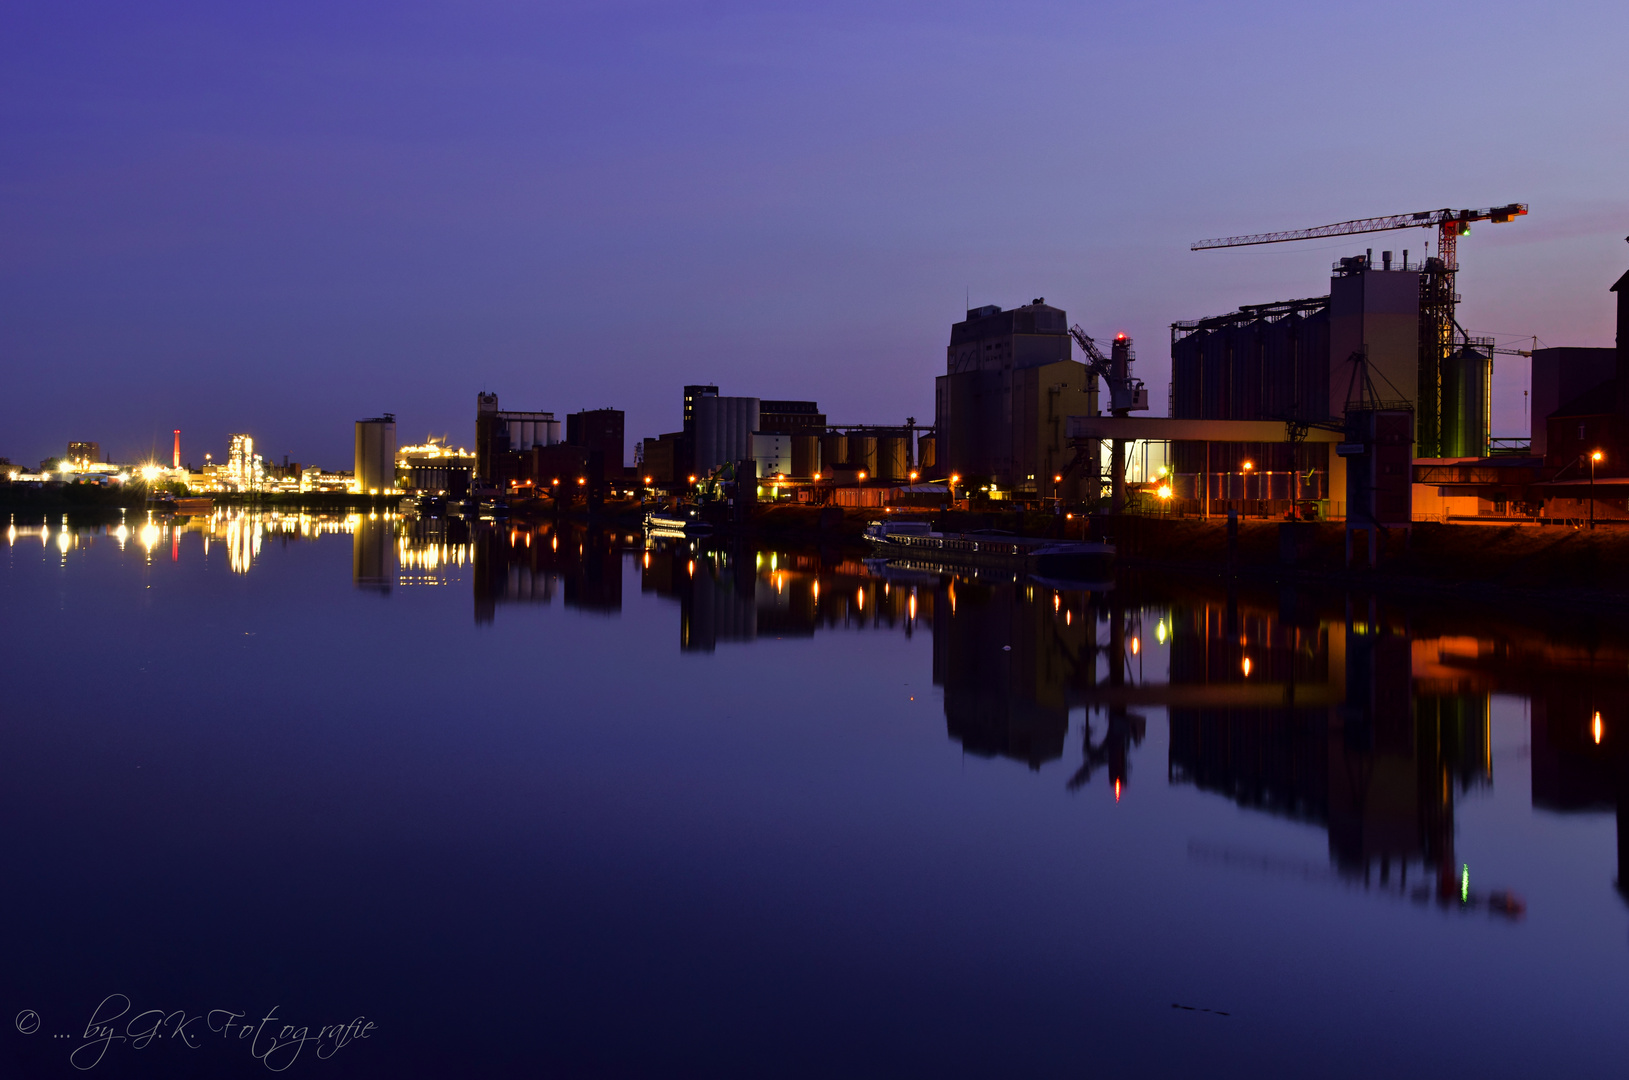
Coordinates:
[1272,780]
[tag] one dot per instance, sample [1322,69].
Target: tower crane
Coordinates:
[1437,296]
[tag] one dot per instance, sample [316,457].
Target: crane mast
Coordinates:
[1437,295]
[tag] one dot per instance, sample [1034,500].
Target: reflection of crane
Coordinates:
[1437,297]
[1126,394]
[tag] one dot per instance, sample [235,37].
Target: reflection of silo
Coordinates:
[833,451]
[376,454]
[370,554]
[805,455]
[926,458]
[862,453]
[891,457]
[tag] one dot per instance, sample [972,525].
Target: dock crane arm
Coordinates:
[1426,219]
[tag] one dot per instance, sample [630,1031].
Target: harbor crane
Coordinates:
[1126,395]
[1437,296]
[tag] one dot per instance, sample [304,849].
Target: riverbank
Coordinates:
[1572,567]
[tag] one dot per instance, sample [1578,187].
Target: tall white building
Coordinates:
[724,427]
[376,454]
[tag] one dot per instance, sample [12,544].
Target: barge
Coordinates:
[1070,560]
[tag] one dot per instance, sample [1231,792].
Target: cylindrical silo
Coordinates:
[805,455]
[927,459]
[833,452]
[862,453]
[891,458]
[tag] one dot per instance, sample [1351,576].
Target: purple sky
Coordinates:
[280,218]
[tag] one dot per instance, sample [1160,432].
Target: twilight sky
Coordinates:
[278,218]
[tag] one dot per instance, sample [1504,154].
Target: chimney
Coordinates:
[1622,289]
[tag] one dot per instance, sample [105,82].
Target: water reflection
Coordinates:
[525,564]
[1367,721]
[238,532]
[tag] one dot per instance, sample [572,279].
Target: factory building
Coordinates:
[1262,362]
[772,452]
[82,455]
[376,454]
[599,431]
[791,418]
[434,468]
[671,458]
[1302,361]
[1567,378]
[1000,408]
[502,437]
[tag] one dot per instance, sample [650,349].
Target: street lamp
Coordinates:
[1593,458]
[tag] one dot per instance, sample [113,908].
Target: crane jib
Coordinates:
[1423,220]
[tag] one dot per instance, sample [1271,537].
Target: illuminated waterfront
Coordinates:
[694,808]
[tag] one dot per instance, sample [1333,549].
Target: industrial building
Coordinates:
[375,454]
[723,430]
[791,418]
[1302,363]
[82,455]
[1010,382]
[1569,379]
[600,432]
[501,437]
[434,468]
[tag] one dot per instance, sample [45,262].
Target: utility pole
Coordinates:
[1593,458]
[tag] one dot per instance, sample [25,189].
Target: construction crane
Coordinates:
[1437,296]
[1126,395]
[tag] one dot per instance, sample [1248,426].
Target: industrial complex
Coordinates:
[1367,402]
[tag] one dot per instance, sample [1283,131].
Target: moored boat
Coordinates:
[1073,560]
[685,520]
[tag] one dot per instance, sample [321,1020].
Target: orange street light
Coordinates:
[692,479]
[581,480]
[1057,478]
[955,479]
[1597,456]
[556,481]
[817,476]
[647,481]
[1249,465]
[862,474]
[914,474]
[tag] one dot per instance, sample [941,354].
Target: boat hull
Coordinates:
[1060,559]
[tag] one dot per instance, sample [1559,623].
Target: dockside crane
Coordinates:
[1126,395]
[1437,296]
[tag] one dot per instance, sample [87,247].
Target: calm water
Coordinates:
[553,804]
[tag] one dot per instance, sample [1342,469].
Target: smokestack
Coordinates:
[177,448]
[1622,289]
